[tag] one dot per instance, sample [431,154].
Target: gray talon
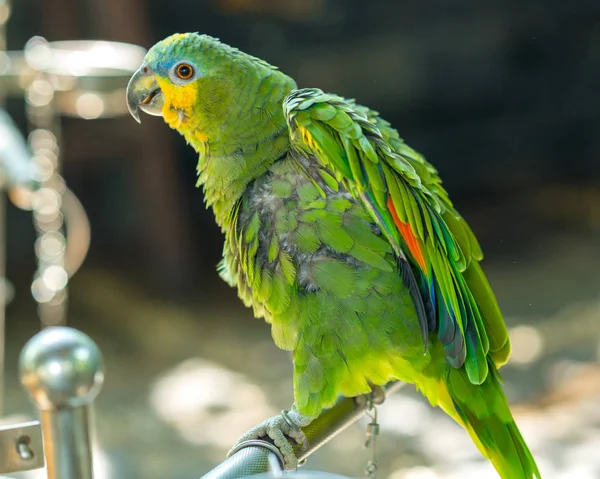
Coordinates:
[282,429]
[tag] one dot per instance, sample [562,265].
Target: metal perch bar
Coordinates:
[249,460]
[255,456]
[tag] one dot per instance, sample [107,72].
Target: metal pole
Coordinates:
[67,443]
[3,296]
[62,370]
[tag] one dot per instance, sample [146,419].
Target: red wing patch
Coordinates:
[412,242]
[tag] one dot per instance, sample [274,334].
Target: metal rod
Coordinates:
[67,443]
[335,420]
[3,296]
[254,458]
[62,370]
[247,461]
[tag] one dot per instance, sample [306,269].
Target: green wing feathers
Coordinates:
[404,194]
[405,198]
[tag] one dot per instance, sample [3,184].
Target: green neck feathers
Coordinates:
[238,144]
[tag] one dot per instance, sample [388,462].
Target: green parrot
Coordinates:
[342,237]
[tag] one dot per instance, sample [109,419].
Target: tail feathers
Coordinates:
[484,413]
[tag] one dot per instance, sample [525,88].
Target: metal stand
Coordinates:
[85,80]
[82,79]
[60,367]
[62,370]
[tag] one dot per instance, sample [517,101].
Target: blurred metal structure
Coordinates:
[82,79]
[62,370]
[4,15]
[16,171]
[60,367]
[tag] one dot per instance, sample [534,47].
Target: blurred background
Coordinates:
[502,97]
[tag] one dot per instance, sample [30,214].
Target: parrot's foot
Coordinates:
[372,399]
[377,395]
[282,430]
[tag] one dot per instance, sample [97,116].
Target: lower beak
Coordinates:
[143,93]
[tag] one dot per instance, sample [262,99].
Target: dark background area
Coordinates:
[502,97]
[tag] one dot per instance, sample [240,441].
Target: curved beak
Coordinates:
[143,93]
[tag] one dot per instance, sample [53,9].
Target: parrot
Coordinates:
[342,237]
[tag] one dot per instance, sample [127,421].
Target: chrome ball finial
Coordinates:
[61,367]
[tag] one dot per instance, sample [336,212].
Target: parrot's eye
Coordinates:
[184,71]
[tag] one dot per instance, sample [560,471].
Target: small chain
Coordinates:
[371,433]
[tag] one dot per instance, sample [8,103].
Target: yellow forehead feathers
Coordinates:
[176,39]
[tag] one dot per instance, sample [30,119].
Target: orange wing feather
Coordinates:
[411,240]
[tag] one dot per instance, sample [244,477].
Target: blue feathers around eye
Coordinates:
[163,67]
[161,60]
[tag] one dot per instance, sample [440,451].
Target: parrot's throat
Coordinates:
[242,148]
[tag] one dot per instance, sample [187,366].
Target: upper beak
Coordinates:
[143,93]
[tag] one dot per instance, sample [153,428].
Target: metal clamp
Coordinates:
[21,447]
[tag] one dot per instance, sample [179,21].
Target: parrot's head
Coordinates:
[196,82]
